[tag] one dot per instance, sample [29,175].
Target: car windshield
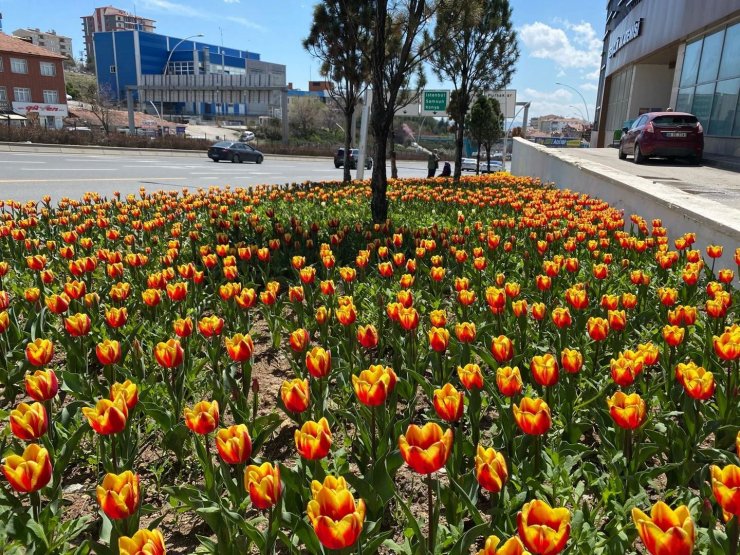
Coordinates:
[666,121]
[223,144]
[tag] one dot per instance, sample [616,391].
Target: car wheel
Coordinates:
[622,155]
[337,165]
[215,159]
[234,158]
[695,159]
[639,158]
[259,159]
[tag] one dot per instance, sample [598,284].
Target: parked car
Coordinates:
[665,134]
[468,164]
[246,137]
[235,151]
[354,154]
[491,167]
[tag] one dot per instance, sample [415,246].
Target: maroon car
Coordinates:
[665,134]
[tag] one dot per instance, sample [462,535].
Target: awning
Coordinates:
[11,115]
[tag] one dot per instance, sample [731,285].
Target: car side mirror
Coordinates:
[625,129]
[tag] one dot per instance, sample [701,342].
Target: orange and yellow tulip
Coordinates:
[439,339]
[169,354]
[39,352]
[449,403]
[698,383]
[512,546]
[29,472]
[726,489]
[118,495]
[490,469]
[234,444]
[318,362]
[107,417]
[108,352]
[542,529]
[295,395]
[203,417]
[335,516]
[240,347]
[263,484]
[208,326]
[128,390]
[502,349]
[465,332]
[314,439]
[571,360]
[545,369]
[373,385]
[425,449]
[367,336]
[532,416]
[627,411]
[29,422]
[509,380]
[665,531]
[42,385]
[299,340]
[143,542]
[470,376]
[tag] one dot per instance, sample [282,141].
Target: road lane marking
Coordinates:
[69,169]
[136,179]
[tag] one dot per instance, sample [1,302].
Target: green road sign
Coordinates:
[434,103]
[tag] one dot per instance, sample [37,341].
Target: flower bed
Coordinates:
[500,367]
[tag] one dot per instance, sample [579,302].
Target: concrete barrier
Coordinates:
[681,212]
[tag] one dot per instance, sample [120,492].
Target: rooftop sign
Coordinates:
[632,32]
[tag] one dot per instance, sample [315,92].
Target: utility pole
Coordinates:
[363,133]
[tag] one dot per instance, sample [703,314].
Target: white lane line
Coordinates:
[70,169]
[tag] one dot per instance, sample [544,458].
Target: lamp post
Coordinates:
[167,65]
[579,94]
[577,110]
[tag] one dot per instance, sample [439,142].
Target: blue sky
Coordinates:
[559,40]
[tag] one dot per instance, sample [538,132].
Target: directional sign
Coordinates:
[409,110]
[434,103]
[506,99]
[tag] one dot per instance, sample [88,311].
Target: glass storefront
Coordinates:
[710,82]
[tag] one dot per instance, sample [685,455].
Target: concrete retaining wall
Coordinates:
[681,212]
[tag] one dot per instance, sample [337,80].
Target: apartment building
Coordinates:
[109,18]
[49,40]
[31,83]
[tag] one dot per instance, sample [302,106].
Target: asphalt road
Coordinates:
[30,176]
[712,183]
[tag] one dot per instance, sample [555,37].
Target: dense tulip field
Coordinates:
[501,368]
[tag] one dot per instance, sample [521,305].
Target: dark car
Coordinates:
[235,152]
[354,154]
[664,134]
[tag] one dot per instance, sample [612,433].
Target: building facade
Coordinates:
[109,18]
[49,40]
[187,78]
[682,54]
[32,82]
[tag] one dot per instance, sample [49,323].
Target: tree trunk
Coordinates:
[459,138]
[379,203]
[347,144]
[477,161]
[394,167]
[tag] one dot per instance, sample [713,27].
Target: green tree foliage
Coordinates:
[340,38]
[476,51]
[485,124]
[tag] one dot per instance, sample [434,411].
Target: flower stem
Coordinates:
[430,511]
[733,535]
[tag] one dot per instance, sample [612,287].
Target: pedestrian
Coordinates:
[446,170]
[432,163]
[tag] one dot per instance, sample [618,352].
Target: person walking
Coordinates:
[432,163]
[446,170]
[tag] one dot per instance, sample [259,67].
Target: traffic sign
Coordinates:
[434,103]
[506,99]
[409,109]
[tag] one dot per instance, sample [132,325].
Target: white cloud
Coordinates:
[560,102]
[582,49]
[188,11]
[588,87]
[231,1]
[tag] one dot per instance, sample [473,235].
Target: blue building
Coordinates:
[187,77]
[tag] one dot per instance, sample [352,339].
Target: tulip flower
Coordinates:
[203,417]
[544,369]
[726,489]
[335,516]
[367,336]
[373,385]
[502,349]
[571,360]
[627,411]
[439,339]
[299,340]
[239,347]
[108,352]
[438,318]
[318,362]
[314,439]
[561,317]
[665,531]
[263,484]
[118,495]
[598,328]
[727,345]
[57,304]
[696,381]
[490,469]
[128,390]
[209,326]
[107,417]
[512,546]
[470,376]
[532,416]
[449,403]
[465,332]
[116,317]
[295,395]
[169,354]
[234,444]
[29,472]
[425,449]
[143,542]
[509,380]
[542,529]
[408,318]
[673,335]
[39,352]
[183,327]
[42,385]
[29,422]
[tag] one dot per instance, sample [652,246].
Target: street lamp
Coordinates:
[167,65]
[577,110]
[579,94]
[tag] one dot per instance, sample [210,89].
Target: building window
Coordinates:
[112,69]
[22,94]
[51,97]
[49,69]
[1,63]
[3,94]
[710,82]
[18,65]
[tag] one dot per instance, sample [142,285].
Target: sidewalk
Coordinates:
[723,162]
